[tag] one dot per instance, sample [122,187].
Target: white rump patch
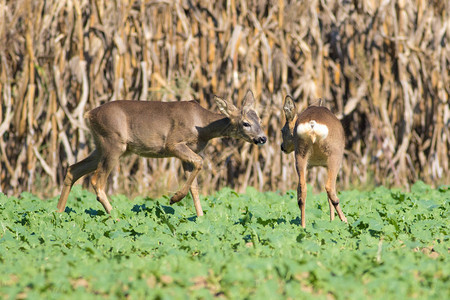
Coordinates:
[312,130]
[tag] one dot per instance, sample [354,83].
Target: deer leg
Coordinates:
[333,168]
[331,205]
[194,190]
[187,156]
[74,172]
[331,209]
[301,189]
[196,197]
[109,160]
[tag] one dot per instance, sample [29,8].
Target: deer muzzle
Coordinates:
[260,140]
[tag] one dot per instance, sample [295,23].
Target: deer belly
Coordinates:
[148,150]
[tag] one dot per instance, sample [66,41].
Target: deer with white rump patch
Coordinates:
[318,139]
[160,129]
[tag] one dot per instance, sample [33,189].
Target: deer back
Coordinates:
[148,127]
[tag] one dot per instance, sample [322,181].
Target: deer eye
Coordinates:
[245,124]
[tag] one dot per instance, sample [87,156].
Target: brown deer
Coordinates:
[160,129]
[318,139]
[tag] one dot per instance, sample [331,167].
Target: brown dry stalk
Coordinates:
[381,66]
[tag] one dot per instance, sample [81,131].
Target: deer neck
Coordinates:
[218,125]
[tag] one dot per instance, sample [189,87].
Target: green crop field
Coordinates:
[395,246]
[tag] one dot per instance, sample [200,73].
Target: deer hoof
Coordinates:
[177,197]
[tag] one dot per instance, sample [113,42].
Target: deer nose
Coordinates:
[282,148]
[260,140]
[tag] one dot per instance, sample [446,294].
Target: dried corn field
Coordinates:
[382,66]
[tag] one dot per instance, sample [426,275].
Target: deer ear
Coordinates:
[289,108]
[249,101]
[225,106]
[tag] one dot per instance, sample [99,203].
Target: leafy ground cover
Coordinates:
[395,246]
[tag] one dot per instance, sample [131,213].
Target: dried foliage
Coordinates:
[381,65]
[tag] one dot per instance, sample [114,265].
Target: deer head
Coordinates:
[245,122]
[287,131]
